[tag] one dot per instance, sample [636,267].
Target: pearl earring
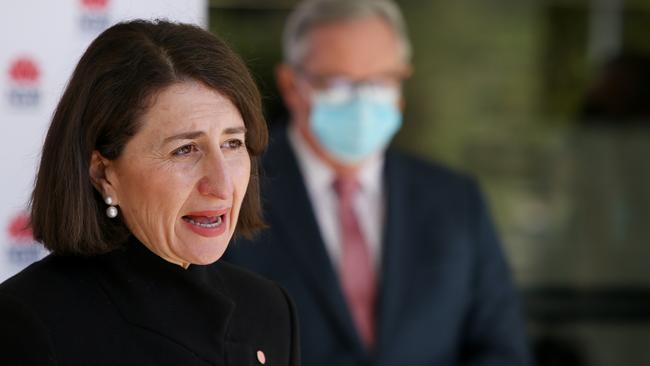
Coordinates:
[111,211]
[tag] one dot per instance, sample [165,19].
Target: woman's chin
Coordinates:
[198,249]
[204,253]
[207,260]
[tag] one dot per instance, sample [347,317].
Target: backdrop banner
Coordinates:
[40,43]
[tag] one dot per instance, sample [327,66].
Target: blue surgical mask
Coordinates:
[353,125]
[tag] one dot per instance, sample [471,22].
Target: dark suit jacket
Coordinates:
[446,295]
[130,307]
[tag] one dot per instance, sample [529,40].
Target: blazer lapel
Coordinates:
[288,206]
[399,256]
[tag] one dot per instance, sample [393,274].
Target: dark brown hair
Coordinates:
[100,110]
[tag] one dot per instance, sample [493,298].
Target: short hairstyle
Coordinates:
[110,89]
[312,13]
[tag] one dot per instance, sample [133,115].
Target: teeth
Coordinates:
[207,226]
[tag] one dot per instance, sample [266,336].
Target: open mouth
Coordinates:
[206,222]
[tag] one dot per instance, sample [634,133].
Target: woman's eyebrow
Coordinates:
[184,136]
[234,130]
[190,135]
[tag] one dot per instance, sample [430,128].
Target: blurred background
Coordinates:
[547,103]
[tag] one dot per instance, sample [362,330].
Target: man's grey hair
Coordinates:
[312,13]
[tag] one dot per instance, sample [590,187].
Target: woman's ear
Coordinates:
[99,165]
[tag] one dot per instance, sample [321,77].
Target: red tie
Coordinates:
[356,272]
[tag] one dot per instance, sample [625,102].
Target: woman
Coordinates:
[144,179]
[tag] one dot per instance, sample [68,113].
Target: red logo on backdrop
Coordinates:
[24,71]
[19,229]
[22,248]
[24,77]
[94,4]
[94,15]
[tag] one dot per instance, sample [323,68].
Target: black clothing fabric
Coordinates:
[131,307]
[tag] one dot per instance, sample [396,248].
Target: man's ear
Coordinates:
[98,170]
[287,85]
[295,98]
[407,73]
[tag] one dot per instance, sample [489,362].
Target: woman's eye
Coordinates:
[233,144]
[185,150]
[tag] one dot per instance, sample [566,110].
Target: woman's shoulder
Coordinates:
[31,302]
[24,339]
[46,275]
[45,286]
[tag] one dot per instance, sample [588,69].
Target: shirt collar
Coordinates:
[319,175]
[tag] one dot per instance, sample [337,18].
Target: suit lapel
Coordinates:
[288,206]
[398,257]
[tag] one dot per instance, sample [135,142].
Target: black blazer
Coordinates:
[130,307]
[446,294]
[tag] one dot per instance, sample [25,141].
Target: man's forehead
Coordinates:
[355,48]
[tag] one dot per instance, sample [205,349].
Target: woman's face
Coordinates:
[181,179]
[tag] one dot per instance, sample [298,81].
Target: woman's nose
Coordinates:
[216,178]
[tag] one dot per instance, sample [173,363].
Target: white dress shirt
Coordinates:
[369,203]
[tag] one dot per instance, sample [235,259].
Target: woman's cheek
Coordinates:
[241,173]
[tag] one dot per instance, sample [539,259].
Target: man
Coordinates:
[390,260]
